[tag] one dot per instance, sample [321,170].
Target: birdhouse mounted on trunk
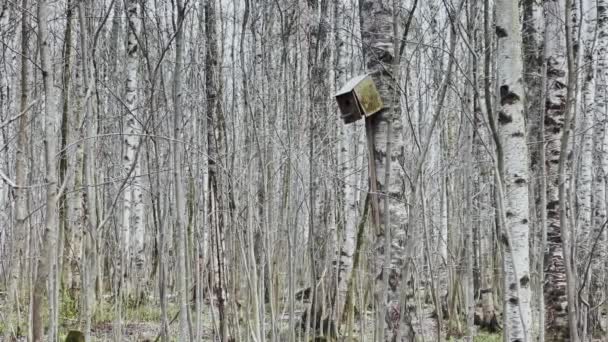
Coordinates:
[358,98]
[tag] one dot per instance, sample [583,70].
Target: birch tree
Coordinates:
[47,260]
[352,159]
[600,165]
[180,224]
[18,252]
[378,36]
[514,174]
[215,140]
[318,55]
[556,134]
[133,210]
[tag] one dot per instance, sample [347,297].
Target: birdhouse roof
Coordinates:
[350,85]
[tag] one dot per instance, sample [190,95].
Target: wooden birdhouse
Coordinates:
[358,98]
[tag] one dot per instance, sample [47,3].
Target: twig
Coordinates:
[7,122]
[7,180]
[588,267]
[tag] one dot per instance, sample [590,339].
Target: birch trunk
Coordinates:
[47,260]
[350,159]
[586,128]
[512,131]
[533,42]
[600,160]
[318,55]
[180,224]
[18,250]
[378,42]
[555,290]
[215,140]
[133,212]
[86,166]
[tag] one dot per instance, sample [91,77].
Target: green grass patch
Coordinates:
[487,337]
[69,308]
[105,313]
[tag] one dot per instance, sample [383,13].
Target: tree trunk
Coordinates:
[600,161]
[180,224]
[555,291]
[133,214]
[533,43]
[318,55]
[378,43]
[512,132]
[47,260]
[215,140]
[17,266]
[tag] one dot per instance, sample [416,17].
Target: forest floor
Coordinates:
[142,323]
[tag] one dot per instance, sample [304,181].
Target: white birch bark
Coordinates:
[556,302]
[133,211]
[47,261]
[512,131]
[600,167]
[378,42]
[215,140]
[586,130]
[180,215]
[88,198]
[533,41]
[351,162]
[20,201]
[318,55]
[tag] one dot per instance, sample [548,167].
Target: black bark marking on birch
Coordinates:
[501,32]
[510,214]
[520,181]
[518,135]
[367,5]
[559,106]
[383,56]
[504,240]
[503,118]
[549,121]
[512,286]
[524,221]
[554,72]
[507,97]
[514,300]
[524,281]
[559,86]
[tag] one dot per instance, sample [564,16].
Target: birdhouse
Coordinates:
[358,98]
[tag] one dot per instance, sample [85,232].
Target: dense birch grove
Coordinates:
[181,170]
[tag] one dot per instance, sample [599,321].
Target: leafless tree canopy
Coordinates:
[303,170]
